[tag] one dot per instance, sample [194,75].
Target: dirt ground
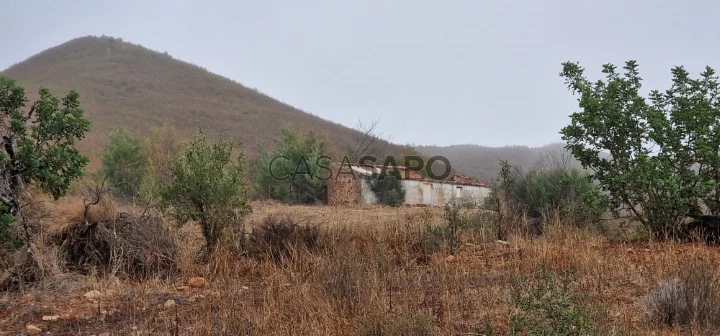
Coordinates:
[368,274]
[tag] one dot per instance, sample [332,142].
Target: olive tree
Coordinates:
[656,158]
[206,184]
[38,143]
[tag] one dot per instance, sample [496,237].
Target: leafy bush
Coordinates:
[542,192]
[38,144]
[663,150]
[9,237]
[567,191]
[294,172]
[124,163]
[388,189]
[547,306]
[207,185]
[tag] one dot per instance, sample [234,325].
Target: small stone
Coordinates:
[182,288]
[169,303]
[50,317]
[502,242]
[450,258]
[93,294]
[196,282]
[32,329]
[245,288]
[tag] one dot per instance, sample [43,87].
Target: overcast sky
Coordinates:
[432,72]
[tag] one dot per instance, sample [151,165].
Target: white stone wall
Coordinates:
[431,193]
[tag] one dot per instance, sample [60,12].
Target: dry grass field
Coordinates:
[372,271]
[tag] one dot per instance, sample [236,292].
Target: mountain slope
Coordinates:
[123,85]
[484,162]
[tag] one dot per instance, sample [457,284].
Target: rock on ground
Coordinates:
[197,282]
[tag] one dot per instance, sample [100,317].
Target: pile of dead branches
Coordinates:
[125,246]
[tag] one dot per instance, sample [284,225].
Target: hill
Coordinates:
[123,85]
[484,162]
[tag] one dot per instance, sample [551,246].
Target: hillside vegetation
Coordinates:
[127,86]
[197,257]
[484,162]
[124,85]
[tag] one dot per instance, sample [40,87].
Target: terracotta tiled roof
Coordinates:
[462,179]
[457,178]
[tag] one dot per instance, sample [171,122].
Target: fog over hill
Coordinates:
[484,162]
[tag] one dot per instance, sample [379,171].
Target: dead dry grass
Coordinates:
[368,279]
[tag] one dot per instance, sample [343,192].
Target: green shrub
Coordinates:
[124,163]
[388,189]
[9,238]
[567,191]
[655,156]
[207,185]
[294,172]
[541,192]
[38,143]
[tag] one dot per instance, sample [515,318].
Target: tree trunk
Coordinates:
[12,183]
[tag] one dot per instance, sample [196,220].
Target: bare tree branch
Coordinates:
[368,141]
[98,192]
